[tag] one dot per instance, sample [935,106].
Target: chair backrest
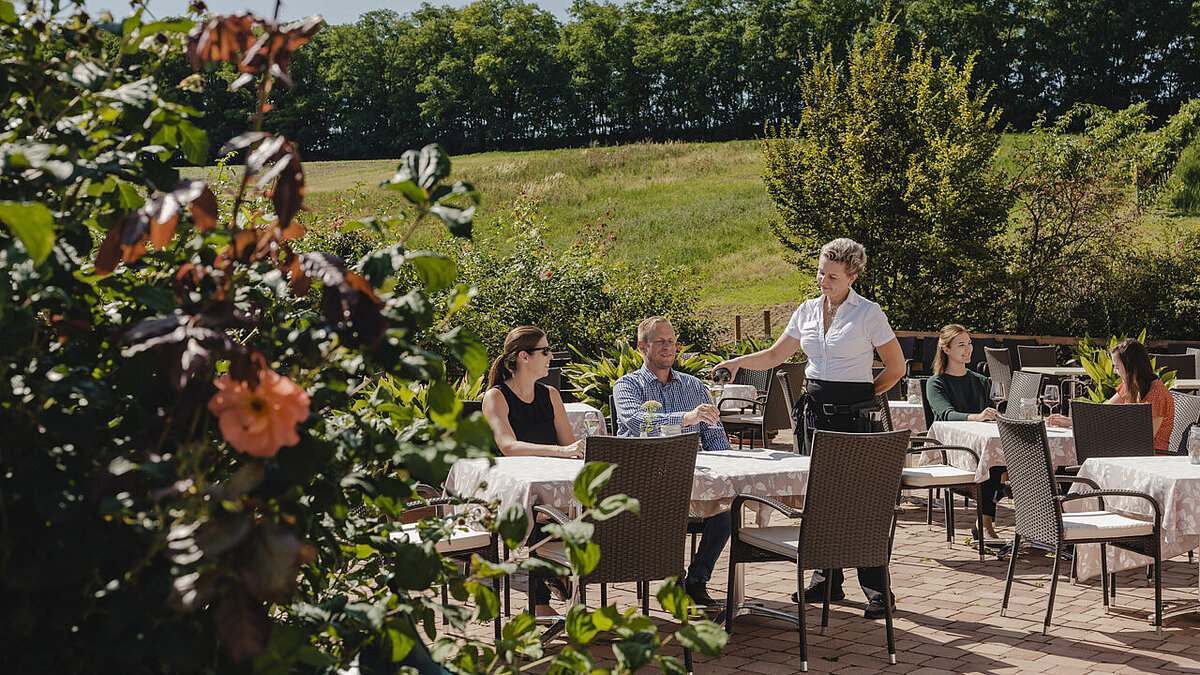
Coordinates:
[978,359]
[469,407]
[761,379]
[1027,456]
[999,365]
[553,378]
[886,417]
[853,484]
[928,352]
[925,407]
[795,373]
[896,393]
[1195,352]
[658,472]
[612,415]
[1187,412]
[1037,356]
[1011,345]
[1184,365]
[777,413]
[1023,385]
[1103,430]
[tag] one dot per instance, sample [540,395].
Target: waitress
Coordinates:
[839,332]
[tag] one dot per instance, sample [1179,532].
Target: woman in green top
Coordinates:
[957,394]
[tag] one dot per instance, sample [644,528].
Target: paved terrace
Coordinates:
[948,615]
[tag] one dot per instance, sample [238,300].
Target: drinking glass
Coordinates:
[1029,408]
[997,393]
[591,422]
[1193,445]
[1050,397]
[914,390]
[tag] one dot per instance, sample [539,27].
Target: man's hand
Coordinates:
[705,412]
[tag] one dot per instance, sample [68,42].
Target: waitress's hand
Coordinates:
[985,415]
[1057,420]
[730,365]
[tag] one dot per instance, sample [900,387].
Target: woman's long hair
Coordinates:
[519,339]
[1139,375]
[949,332]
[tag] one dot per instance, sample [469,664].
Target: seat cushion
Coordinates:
[555,551]
[741,419]
[781,539]
[461,539]
[935,475]
[1097,524]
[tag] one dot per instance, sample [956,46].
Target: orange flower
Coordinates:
[262,420]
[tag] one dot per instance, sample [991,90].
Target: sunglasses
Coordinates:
[544,350]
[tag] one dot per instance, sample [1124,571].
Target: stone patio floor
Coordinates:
[948,615]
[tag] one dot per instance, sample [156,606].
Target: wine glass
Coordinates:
[997,392]
[1050,396]
[591,422]
[720,377]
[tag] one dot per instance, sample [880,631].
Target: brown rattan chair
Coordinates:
[1187,412]
[760,379]
[795,373]
[1195,352]
[1111,431]
[1037,356]
[1023,385]
[1038,509]
[945,477]
[658,472]
[848,520]
[1184,365]
[771,414]
[999,365]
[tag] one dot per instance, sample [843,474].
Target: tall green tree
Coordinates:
[893,150]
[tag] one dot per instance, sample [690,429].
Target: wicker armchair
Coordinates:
[945,477]
[848,519]
[1024,385]
[1184,365]
[1037,356]
[761,379]
[658,472]
[1040,517]
[771,414]
[999,365]
[1111,431]
[1187,412]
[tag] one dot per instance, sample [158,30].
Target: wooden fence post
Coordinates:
[767,323]
[737,327]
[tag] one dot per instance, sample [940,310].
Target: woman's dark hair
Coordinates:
[521,338]
[1139,375]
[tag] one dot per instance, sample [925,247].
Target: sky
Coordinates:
[340,11]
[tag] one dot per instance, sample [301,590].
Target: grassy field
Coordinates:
[698,204]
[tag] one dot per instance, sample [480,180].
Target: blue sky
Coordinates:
[343,11]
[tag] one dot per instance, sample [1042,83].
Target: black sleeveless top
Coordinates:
[531,422]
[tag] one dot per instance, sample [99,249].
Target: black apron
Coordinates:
[837,406]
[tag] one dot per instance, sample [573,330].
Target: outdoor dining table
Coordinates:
[1186,384]
[984,439]
[1173,482]
[907,415]
[576,414]
[1056,371]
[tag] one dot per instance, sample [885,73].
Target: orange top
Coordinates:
[1161,405]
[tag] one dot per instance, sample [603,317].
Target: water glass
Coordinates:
[671,429]
[1193,445]
[591,422]
[914,391]
[1029,409]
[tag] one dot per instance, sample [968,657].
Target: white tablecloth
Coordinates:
[720,476]
[984,438]
[575,414]
[907,415]
[1172,481]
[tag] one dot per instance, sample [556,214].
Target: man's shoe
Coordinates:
[816,593]
[698,592]
[876,610]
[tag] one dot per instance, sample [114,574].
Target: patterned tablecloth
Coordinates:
[1172,481]
[984,438]
[720,476]
[907,415]
[576,413]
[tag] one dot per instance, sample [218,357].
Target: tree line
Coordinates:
[505,74]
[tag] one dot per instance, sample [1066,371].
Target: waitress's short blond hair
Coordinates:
[848,252]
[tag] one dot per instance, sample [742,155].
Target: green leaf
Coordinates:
[194,142]
[573,533]
[584,558]
[705,637]
[436,271]
[614,504]
[33,224]
[512,525]
[398,640]
[411,191]
[467,349]
[486,570]
[580,626]
[521,625]
[671,665]
[606,617]
[444,406]
[433,165]
[673,599]
[487,603]
[591,479]
[457,220]
[570,661]
[381,264]
[636,651]
[543,567]
[459,188]
[7,14]
[129,197]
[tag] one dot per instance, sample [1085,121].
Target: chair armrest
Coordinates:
[1058,478]
[1062,499]
[943,449]
[920,438]
[555,515]
[775,504]
[752,404]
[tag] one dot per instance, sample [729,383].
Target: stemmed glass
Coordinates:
[717,388]
[1050,396]
[997,393]
[591,422]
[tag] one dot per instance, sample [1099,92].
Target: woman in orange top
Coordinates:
[1139,384]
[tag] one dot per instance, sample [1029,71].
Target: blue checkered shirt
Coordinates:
[681,394]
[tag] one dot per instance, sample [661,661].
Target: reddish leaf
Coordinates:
[109,254]
[268,150]
[244,244]
[161,233]
[346,296]
[358,283]
[242,624]
[271,561]
[243,140]
[288,195]
[300,282]
[221,38]
[204,210]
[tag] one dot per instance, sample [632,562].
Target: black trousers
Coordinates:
[841,394]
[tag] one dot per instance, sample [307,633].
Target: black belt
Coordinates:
[831,409]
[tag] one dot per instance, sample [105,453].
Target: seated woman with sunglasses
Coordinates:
[528,418]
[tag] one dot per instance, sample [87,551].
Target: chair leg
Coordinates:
[828,597]
[687,661]
[496,620]
[1053,588]
[646,598]
[729,609]
[1103,572]
[887,613]
[929,509]
[949,518]
[800,610]
[604,595]
[1158,617]
[979,518]
[1012,566]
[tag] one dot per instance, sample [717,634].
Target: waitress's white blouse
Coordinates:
[846,352]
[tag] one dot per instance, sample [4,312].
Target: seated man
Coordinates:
[686,402]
